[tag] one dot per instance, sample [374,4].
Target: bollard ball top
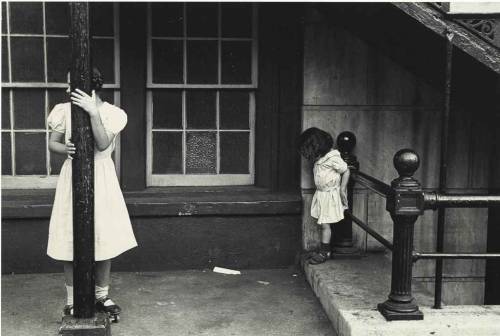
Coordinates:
[346,141]
[406,162]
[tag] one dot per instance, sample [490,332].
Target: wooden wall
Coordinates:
[353,85]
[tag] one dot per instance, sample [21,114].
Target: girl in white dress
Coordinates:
[113,230]
[331,175]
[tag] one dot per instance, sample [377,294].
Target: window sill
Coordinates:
[172,201]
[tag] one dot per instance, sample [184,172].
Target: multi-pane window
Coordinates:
[36,56]
[202,74]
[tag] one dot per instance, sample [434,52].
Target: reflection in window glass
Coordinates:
[30,153]
[236,62]
[26,17]
[5,60]
[168,19]
[202,62]
[167,61]
[6,154]
[29,109]
[101,16]
[167,109]
[167,154]
[57,18]
[5,109]
[234,109]
[236,20]
[4,15]
[202,19]
[234,147]
[27,59]
[200,109]
[58,49]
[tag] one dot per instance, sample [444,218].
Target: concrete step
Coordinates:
[350,289]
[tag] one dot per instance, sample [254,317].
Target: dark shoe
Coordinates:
[112,309]
[319,257]
[68,310]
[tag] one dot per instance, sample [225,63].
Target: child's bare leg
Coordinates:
[68,279]
[68,273]
[102,273]
[324,250]
[326,233]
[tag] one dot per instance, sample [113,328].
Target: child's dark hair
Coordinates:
[96,81]
[314,143]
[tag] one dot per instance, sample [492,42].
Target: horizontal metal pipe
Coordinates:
[434,200]
[372,183]
[370,231]
[417,255]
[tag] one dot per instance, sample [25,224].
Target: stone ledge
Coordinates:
[350,290]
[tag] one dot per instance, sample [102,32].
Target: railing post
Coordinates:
[405,205]
[342,238]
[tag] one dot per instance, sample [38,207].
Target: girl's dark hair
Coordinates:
[96,81]
[314,143]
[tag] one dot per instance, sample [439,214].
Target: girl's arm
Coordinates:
[344,179]
[88,103]
[56,144]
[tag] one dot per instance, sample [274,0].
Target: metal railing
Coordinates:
[406,201]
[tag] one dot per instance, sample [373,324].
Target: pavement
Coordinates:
[200,302]
[350,289]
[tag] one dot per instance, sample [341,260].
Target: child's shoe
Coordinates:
[319,257]
[68,310]
[107,306]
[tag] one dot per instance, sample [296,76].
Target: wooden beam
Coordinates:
[462,38]
[82,165]
[133,38]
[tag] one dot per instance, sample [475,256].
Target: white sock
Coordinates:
[69,295]
[101,292]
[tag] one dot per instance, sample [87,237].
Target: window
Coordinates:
[202,74]
[35,57]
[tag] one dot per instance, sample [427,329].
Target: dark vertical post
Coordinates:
[342,236]
[83,166]
[445,120]
[404,205]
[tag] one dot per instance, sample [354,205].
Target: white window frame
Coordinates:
[49,181]
[201,179]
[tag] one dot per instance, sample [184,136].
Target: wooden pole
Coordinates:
[85,321]
[83,166]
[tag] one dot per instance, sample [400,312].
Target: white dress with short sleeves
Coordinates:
[113,230]
[326,204]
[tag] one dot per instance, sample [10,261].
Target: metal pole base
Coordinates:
[96,326]
[394,311]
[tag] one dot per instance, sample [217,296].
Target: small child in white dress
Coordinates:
[331,175]
[113,230]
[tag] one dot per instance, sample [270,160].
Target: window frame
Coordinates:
[48,180]
[217,179]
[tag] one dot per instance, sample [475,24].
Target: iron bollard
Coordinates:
[342,239]
[405,204]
